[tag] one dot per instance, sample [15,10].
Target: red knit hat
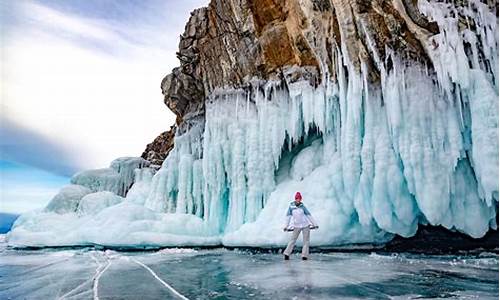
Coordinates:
[298,195]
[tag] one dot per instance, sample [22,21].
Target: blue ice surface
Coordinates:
[225,274]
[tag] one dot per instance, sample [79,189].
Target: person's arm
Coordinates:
[287,218]
[310,217]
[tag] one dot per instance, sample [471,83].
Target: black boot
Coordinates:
[286,257]
[304,258]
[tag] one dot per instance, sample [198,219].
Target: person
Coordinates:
[298,219]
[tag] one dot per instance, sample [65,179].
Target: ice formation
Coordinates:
[117,178]
[68,199]
[93,203]
[371,161]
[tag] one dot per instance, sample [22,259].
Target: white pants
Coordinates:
[305,236]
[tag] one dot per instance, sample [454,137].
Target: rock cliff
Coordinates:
[232,42]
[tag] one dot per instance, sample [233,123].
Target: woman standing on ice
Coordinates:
[298,219]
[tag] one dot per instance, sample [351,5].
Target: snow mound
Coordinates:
[93,203]
[68,198]
[306,161]
[122,225]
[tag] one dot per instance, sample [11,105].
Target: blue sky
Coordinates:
[81,84]
[23,188]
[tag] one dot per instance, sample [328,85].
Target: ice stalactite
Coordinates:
[466,63]
[397,153]
[244,134]
[174,188]
[392,153]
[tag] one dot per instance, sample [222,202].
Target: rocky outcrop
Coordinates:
[231,43]
[157,150]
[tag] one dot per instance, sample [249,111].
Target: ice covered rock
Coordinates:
[157,150]
[68,198]
[123,225]
[118,178]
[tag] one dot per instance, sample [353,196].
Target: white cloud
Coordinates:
[24,188]
[82,83]
[58,21]
[20,199]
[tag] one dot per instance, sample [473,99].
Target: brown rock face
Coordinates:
[157,151]
[231,42]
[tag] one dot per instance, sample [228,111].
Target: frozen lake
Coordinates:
[225,274]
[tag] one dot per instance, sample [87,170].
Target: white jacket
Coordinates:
[298,217]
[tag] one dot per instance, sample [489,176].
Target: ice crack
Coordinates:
[169,287]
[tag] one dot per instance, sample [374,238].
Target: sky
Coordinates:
[24,188]
[80,86]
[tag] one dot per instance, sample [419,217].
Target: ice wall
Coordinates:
[419,147]
[466,63]
[386,159]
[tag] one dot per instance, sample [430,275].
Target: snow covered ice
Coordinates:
[117,178]
[208,274]
[370,160]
